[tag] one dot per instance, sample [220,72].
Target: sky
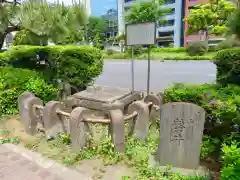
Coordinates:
[100,7]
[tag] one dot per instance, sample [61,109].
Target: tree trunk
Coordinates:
[2,38]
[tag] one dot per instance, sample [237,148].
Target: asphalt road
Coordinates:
[163,74]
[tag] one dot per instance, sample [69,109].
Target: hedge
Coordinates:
[222,105]
[15,81]
[228,66]
[78,65]
[175,50]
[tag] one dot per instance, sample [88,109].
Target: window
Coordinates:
[171,12]
[163,34]
[168,23]
[169,1]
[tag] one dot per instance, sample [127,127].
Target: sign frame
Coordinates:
[142,23]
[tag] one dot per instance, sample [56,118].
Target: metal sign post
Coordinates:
[141,34]
[132,69]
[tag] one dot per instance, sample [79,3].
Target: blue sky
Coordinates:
[100,7]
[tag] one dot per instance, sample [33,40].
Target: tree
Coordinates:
[41,18]
[211,18]
[26,37]
[95,26]
[146,11]
[233,23]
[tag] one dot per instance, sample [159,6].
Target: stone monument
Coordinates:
[181,130]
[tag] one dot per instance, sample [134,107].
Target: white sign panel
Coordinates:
[141,34]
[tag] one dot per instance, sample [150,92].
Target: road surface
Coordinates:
[163,74]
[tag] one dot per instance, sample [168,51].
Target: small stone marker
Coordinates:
[181,130]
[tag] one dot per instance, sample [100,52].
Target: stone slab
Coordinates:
[103,94]
[18,163]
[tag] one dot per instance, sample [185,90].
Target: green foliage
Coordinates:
[25,37]
[96,26]
[72,37]
[220,103]
[188,58]
[228,66]
[231,162]
[137,50]
[146,12]
[78,65]
[197,48]
[170,49]
[49,20]
[136,155]
[15,81]
[211,17]
[230,42]
[208,146]
[233,23]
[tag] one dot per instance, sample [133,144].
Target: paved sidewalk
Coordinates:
[18,163]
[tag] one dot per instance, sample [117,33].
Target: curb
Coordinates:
[50,165]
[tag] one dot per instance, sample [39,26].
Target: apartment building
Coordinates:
[171,32]
[112,23]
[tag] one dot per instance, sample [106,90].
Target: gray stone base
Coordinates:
[200,171]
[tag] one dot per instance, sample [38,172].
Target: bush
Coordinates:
[197,49]
[222,105]
[165,50]
[228,66]
[15,81]
[229,42]
[189,58]
[231,162]
[78,65]
[110,52]
[137,50]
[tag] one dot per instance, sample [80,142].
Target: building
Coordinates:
[213,40]
[112,23]
[171,32]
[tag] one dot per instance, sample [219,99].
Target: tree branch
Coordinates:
[12,28]
[14,2]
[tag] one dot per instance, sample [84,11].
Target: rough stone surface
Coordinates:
[181,129]
[17,163]
[79,129]
[21,101]
[156,102]
[30,116]
[104,98]
[117,129]
[53,122]
[139,125]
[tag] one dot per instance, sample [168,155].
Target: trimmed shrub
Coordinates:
[228,66]
[170,49]
[78,65]
[15,81]
[231,162]
[197,48]
[222,105]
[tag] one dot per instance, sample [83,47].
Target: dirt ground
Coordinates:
[93,166]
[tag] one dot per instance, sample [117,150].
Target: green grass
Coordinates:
[99,146]
[163,56]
